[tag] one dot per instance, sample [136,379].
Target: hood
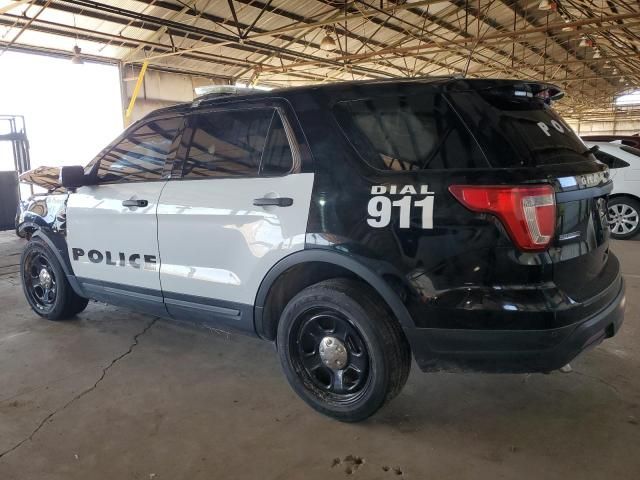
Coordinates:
[45,177]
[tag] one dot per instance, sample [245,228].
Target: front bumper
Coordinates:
[437,349]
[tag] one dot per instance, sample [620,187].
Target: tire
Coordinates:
[375,359]
[49,294]
[624,217]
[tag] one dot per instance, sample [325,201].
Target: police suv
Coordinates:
[355,225]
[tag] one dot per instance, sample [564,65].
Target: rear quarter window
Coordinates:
[401,133]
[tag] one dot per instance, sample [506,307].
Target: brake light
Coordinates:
[527,212]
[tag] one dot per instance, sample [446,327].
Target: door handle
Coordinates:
[275,202]
[135,203]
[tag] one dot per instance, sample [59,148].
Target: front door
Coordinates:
[240,205]
[112,225]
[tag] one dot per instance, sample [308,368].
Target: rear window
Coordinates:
[408,133]
[517,130]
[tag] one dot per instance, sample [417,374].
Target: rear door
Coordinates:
[237,203]
[112,225]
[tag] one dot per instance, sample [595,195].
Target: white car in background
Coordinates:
[624,201]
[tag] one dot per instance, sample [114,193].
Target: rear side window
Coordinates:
[408,133]
[228,143]
[141,155]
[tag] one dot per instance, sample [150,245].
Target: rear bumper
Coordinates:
[514,351]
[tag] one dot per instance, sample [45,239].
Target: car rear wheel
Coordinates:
[45,284]
[624,217]
[341,350]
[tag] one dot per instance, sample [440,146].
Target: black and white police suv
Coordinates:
[354,225]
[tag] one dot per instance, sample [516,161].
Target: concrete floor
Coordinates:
[117,395]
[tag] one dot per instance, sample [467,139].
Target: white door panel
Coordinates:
[125,238]
[215,243]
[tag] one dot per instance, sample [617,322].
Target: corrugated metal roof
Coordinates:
[278,42]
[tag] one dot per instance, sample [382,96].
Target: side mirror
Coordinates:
[72,177]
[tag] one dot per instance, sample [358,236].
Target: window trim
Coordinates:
[296,162]
[177,170]
[133,128]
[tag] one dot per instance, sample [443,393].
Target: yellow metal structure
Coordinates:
[136,89]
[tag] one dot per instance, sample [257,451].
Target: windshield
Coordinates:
[517,131]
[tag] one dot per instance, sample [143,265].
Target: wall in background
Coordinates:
[618,126]
[623,121]
[161,89]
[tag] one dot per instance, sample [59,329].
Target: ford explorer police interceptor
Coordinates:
[459,222]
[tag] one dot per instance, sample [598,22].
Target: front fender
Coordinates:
[57,243]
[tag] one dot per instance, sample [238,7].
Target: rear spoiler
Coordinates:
[545,91]
[516,88]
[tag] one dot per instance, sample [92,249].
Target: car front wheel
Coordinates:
[45,284]
[341,350]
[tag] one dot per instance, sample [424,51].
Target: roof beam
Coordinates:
[352,16]
[267,50]
[7,8]
[78,33]
[142,21]
[514,7]
[474,39]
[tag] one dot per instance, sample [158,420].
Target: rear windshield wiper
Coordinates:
[591,150]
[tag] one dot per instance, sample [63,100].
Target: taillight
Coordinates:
[527,212]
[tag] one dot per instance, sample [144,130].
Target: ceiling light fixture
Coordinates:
[585,42]
[328,44]
[567,28]
[547,5]
[77,59]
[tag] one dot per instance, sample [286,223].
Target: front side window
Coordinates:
[228,144]
[141,155]
[408,133]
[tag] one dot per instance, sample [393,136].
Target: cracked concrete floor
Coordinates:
[115,394]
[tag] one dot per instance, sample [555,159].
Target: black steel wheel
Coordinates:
[331,352]
[341,349]
[45,284]
[40,283]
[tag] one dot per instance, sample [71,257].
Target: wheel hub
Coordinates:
[333,353]
[45,278]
